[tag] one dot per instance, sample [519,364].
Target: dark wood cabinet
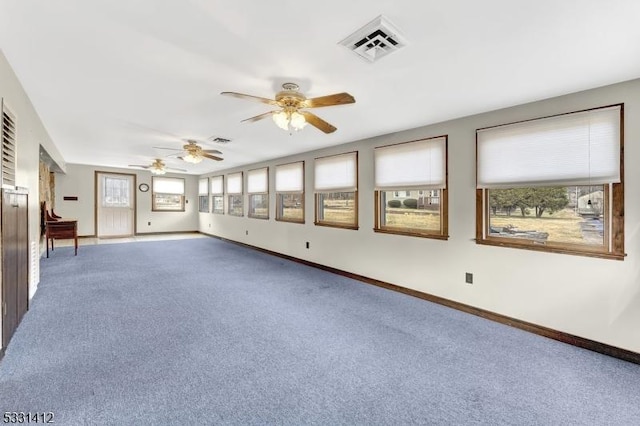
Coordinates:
[14,251]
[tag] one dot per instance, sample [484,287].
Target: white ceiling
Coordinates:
[112,79]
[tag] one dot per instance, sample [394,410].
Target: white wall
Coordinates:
[598,299]
[79,181]
[30,134]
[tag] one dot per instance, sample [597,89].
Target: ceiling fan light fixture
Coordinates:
[192,158]
[158,170]
[282,120]
[298,121]
[289,120]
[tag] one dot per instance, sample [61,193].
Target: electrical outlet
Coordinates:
[247,232]
[148,223]
[307,244]
[468,277]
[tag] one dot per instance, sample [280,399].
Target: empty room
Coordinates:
[356,213]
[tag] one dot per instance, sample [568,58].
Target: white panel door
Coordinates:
[115,205]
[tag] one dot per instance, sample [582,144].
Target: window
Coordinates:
[553,184]
[258,190]
[203,195]
[290,192]
[217,194]
[234,194]
[411,188]
[8,164]
[167,194]
[116,192]
[336,186]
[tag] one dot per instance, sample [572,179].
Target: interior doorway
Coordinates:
[115,204]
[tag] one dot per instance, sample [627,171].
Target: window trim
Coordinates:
[251,194]
[202,195]
[200,199]
[280,207]
[317,222]
[235,194]
[216,194]
[443,233]
[213,210]
[317,195]
[154,207]
[614,220]
[230,205]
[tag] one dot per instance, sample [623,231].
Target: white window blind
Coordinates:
[337,173]
[203,186]
[581,148]
[163,185]
[258,181]
[290,177]
[234,183]
[217,185]
[420,164]
[8,160]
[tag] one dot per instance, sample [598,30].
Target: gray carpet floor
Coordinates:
[202,331]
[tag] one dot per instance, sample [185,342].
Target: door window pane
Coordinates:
[116,192]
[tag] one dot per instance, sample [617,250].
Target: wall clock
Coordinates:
[143,187]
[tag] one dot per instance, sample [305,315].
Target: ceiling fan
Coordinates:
[158,167]
[193,153]
[292,116]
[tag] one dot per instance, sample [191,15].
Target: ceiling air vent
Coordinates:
[375,40]
[219,140]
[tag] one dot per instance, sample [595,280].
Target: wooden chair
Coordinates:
[57,227]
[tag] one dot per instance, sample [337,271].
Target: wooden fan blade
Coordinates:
[251,98]
[212,157]
[259,117]
[172,169]
[318,122]
[329,100]
[211,151]
[139,166]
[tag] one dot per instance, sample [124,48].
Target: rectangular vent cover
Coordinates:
[375,40]
[219,140]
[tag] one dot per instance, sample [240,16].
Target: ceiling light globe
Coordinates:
[158,171]
[282,120]
[298,121]
[190,158]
